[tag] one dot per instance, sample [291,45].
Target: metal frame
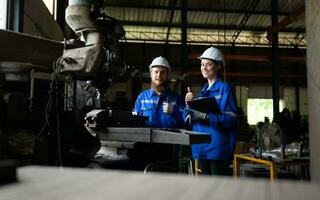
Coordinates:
[190,9]
[272,164]
[236,165]
[212,38]
[204,26]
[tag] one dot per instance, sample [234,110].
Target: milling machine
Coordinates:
[77,122]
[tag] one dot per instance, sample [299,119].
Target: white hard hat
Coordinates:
[214,54]
[160,61]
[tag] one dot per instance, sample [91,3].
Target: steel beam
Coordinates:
[285,22]
[254,58]
[275,60]
[253,75]
[184,35]
[203,26]
[211,10]
[174,2]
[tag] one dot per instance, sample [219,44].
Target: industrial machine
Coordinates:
[59,115]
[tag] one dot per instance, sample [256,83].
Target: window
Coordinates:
[3,14]
[51,5]
[258,109]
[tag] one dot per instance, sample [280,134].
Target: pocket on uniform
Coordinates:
[146,111]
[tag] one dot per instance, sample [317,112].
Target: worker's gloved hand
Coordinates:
[196,115]
[167,107]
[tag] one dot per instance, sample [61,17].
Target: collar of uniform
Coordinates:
[152,92]
[212,88]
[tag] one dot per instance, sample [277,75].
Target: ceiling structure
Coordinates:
[216,22]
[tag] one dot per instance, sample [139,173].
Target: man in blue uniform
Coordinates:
[162,106]
[164,109]
[214,157]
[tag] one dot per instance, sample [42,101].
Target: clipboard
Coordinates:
[205,105]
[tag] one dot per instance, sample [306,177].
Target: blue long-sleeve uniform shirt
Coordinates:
[149,103]
[221,127]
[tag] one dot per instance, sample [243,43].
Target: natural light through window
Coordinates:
[51,5]
[3,14]
[258,109]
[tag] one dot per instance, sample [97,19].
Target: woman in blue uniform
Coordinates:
[214,157]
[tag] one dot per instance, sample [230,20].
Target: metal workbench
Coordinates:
[150,135]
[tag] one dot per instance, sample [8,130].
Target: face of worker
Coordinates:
[209,69]
[159,75]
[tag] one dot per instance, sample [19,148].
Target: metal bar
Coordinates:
[275,60]
[206,42]
[273,171]
[297,97]
[60,14]
[196,167]
[236,167]
[271,164]
[31,98]
[209,38]
[184,39]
